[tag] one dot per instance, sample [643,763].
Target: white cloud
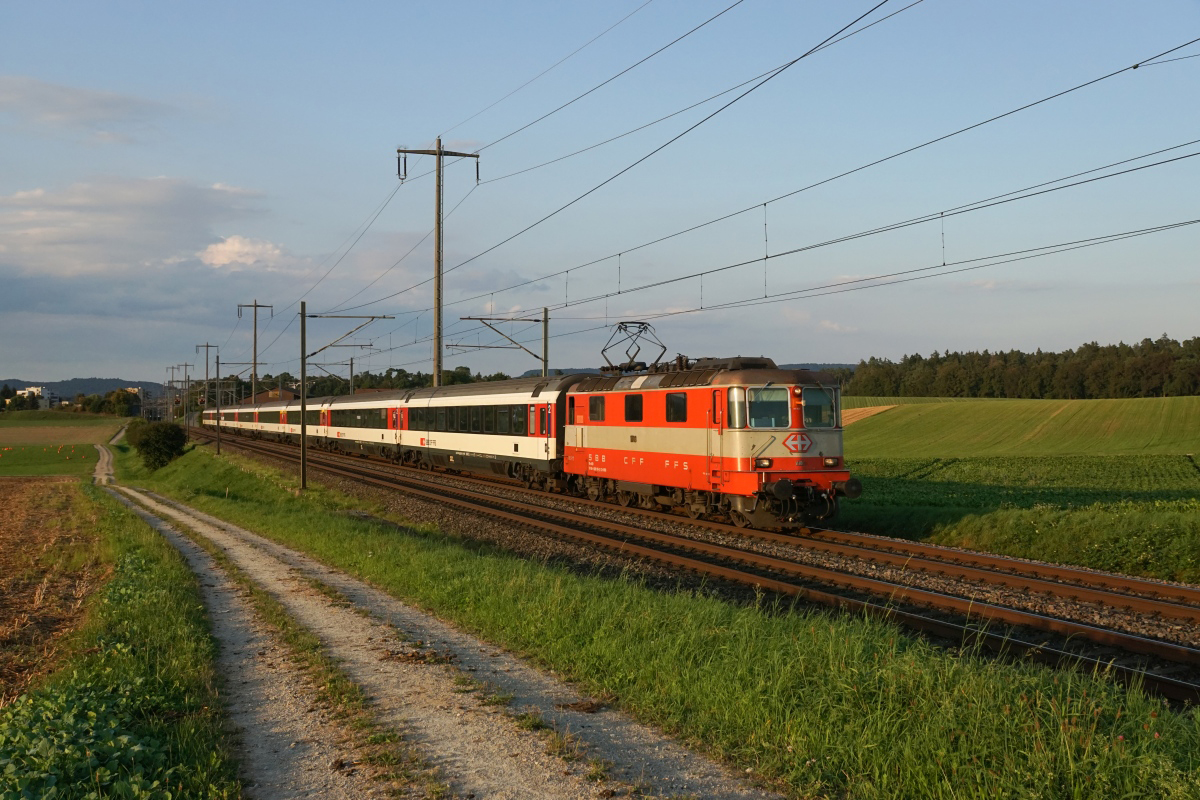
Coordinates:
[240,250]
[836,327]
[115,224]
[103,116]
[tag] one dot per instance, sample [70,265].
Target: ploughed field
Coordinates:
[1110,484]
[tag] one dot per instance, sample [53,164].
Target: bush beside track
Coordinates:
[134,711]
[819,704]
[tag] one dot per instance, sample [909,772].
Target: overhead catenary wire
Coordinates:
[792,193]
[773,74]
[902,276]
[697,104]
[607,81]
[553,66]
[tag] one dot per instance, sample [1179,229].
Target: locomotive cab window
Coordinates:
[769,407]
[820,411]
[596,408]
[633,408]
[676,407]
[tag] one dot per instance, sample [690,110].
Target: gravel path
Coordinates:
[423,678]
[288,743]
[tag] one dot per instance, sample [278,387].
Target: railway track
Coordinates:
[970,621]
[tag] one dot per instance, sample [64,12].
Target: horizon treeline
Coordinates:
[1160,367]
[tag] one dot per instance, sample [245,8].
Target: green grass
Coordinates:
[863,401]
[1168,425]
[824,706]
[67,459]
[1138,515]
[135,711]
[57,418]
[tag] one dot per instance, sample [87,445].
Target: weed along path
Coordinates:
[490,725]
[288,747]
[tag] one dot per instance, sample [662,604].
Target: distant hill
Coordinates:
[69,388]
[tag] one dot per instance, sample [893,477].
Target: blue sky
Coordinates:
[165,162]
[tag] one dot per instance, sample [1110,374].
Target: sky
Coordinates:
[162,163]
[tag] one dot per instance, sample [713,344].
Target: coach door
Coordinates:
[716,438]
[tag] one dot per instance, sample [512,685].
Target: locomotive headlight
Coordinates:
[831,462]
[762,463]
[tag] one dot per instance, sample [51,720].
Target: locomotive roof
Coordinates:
[707,372]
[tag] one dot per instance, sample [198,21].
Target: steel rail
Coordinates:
[1119,592]
[567,525]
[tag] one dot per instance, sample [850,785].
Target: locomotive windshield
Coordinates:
[819,409]
[769,407]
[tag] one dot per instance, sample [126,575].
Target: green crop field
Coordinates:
[863,401]
[1107,484]
[65,459]
[969,428]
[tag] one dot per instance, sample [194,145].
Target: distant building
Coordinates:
[46,398]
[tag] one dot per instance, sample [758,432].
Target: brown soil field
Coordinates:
[47,570]
[850,415]
[57,434]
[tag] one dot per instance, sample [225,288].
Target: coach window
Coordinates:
[489,419]
[737,407]
[542,421]
[502,419]
[441,419]
[476,419]
[633,408]
[596,408]
[518,420]
[676,407]
[769,407]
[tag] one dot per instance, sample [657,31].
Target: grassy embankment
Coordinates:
[1108,484]
[131,709]
[822,705]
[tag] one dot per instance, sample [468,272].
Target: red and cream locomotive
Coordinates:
[735,438]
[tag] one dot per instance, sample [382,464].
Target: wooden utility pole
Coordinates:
[438,153]
[206,347]
[254,357]
[218,420]
[303,397]
[187,390]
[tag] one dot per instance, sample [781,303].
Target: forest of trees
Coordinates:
[1152,368]
[325,385]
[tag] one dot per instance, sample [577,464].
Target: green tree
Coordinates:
[158,443]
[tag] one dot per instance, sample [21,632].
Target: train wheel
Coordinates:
[625,499]
[738,518]
[693,511]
